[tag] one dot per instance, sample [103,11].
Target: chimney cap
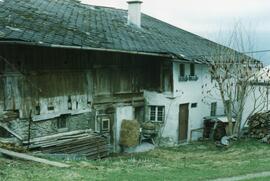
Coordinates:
[134,1]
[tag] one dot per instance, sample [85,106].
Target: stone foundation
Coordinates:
[49,127]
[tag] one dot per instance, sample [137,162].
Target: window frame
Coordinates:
[102,125]
[192,71]
[182,70]
[157,113]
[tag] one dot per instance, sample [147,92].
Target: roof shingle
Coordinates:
[70,23]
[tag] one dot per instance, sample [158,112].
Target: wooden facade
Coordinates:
[40,81]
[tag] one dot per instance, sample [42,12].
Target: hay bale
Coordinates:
[130,132]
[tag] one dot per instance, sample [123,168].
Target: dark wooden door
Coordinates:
[183,122]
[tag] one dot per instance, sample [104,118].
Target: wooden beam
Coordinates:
[32,158]
[59,135]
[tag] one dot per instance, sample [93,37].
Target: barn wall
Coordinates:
[41,83]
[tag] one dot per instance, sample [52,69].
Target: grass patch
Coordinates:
[196,161]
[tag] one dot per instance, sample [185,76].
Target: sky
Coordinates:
[212,19]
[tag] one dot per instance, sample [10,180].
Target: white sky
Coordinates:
[209,18]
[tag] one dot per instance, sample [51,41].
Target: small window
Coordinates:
[38,109]
[193,105]
[69,103]
[105,125]
[50,108]
[61,122]
[182,70]
[213,109]
[157,113]
[192,69]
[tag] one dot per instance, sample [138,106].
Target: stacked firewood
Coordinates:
[85,143]
[259,125]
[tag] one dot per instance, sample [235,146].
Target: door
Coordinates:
[183,122]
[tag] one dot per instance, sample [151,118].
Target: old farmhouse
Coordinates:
[68,66]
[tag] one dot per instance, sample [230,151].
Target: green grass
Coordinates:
[197,161]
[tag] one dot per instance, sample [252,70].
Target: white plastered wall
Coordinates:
[184,92]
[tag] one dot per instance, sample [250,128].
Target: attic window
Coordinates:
[182,70]
[192,75]
[192,69]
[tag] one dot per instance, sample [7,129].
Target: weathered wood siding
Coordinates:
[36,78]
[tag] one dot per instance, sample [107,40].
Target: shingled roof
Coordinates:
[71,23]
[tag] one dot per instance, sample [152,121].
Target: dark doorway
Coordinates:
[183,122]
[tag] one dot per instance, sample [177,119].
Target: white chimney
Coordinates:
[134,12]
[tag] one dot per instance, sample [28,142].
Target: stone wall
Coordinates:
[49,127]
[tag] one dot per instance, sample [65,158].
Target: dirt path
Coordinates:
[244,177]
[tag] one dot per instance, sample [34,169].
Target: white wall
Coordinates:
[184,92]
[192,92]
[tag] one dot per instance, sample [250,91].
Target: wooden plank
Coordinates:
[59,135]
[32,158]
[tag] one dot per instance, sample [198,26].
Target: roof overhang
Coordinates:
[170,56]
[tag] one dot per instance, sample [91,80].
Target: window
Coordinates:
[69,103]
[182,73]
[192,76]
[61,122]
[50,108]
[38,109]
[192,69]
[105,125]
[213,109]
[182,70]
[157,113]
[193,105]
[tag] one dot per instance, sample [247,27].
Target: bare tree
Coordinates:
[231,73]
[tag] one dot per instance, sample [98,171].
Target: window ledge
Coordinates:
[183,78]
[193,77]
[188,78]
